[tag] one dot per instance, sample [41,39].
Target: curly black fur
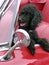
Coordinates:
[29,19]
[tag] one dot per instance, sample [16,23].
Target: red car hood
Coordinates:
[23,56]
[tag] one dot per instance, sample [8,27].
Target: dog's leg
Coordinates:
[44,44]
[32,42]
[31,47]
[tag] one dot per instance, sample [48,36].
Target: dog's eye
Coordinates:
[26,13]
[22,12]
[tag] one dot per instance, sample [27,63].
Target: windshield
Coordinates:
[7,21]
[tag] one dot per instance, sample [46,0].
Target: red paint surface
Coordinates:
[45,11]
[39,3]
[23,56]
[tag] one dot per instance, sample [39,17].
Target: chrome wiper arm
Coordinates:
[1,3]
[4,6]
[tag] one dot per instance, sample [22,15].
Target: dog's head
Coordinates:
[29,16]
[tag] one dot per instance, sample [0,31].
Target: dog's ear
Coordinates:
[36,19]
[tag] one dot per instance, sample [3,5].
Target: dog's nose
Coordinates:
[20,19]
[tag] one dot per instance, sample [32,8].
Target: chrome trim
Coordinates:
[5,43]
[5,6]
[13,24]
[26,39]
[4,60]
[1,2]
[4,46]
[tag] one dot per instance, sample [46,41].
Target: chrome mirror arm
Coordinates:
[8,54]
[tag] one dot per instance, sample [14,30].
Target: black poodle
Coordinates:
[29,19]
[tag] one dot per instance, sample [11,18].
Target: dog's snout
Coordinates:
[19,19]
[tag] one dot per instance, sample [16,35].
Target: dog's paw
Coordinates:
[32,50]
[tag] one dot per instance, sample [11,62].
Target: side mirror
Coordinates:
[25,41]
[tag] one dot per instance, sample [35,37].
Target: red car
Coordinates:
[21,55]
